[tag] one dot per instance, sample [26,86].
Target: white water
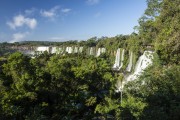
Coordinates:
[98,52]
[119,86]
[80,49]
[143,62]
[130,62]
[91,51]
[69,50]
[76,50]
[53,50]
[42,49]
[59,50]
[122,59]
[117,60]
[103,50]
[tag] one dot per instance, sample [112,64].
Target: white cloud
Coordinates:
[55,12]
[50,13]
[30,11]
[31,23]
[18,37]
[20,20]
[93,2]
[66,10]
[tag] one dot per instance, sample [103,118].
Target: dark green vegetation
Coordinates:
[82,87]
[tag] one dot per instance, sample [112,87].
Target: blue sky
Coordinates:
[60,20]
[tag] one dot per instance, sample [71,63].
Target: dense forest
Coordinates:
[81,87]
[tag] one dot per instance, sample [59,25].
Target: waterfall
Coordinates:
[80,49]
[143,62]
[69,50]
[103,50]
[98,52]
[117,60]
[76,50]
[42,49]
[58,50]
[122,59]
[53,50]
[130,62]
[91,51]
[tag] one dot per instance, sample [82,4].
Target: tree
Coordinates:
[167,42]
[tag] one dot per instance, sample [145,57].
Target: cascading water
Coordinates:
[69,50]
[143,62]
[103,50]
[80,49]
[91,51]
[53,50]
[98,52]
[117,60]
[42,49]
[59,50]
[130,62]
[122,59]
[76,50]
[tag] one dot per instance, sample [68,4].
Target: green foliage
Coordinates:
[107,106]
[158,90]
[79,86]
[132,107]
[53,87]
[167,42]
